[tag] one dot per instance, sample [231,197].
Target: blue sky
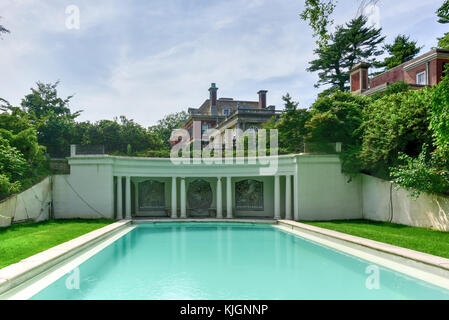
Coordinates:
[145,59]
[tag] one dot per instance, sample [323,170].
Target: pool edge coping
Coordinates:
[26,269]
[417,256]
[203,220]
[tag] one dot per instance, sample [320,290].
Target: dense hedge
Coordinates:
[22,160]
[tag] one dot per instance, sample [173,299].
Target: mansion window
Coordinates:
[204,128]
[226,112]
[421,78]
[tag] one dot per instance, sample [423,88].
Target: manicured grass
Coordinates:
[419,239]
[23,240]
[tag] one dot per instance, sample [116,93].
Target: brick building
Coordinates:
[227,113]
[425,70]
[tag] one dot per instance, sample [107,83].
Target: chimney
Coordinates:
[262,99]
[359,77]
[213,99]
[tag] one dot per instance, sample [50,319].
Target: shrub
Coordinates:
[429,172]
[12,163]
[337,118]
[440,112]
[394,124]
[7,187]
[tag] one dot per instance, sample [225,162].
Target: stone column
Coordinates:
[228,198]
[174,208]
[295,196]
[183,198]
[136,197]
[128,198]
[288,197]
[277,202]
[219,199]
[119,198]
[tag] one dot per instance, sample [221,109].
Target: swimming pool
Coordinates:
[229,261]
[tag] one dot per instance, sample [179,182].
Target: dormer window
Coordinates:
[421,78]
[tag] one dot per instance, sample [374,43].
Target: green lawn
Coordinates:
[23,240]
[419,239]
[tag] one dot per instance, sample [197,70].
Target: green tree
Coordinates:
[292,126]
[443,12]
[362,40]
[351,43]
[338,118]
[21,161]
[137,137]
[400,51]
[52,117]
[318,14]
[3,30]
[165,126]
[116,135]
[440,113]
[12,162]
[443,42]
[395,124]
[429,172]
[44,100]
[396,87]
[329,66]
[443,15]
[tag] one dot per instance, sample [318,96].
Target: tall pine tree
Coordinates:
[3,30]
[400,51]
[351,43]
[443,15]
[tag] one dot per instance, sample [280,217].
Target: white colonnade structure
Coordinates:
[293,187]
[178,195]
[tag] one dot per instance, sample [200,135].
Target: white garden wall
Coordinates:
[324,192]
[32,204]
[88,192]
[383,203]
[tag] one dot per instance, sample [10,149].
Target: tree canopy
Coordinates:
[3,30]
[318,14]
[165,126]
[401,50]
[292,126]
[443,15]
[443,12]
[351,43]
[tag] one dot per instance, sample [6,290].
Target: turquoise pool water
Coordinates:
[229,261]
